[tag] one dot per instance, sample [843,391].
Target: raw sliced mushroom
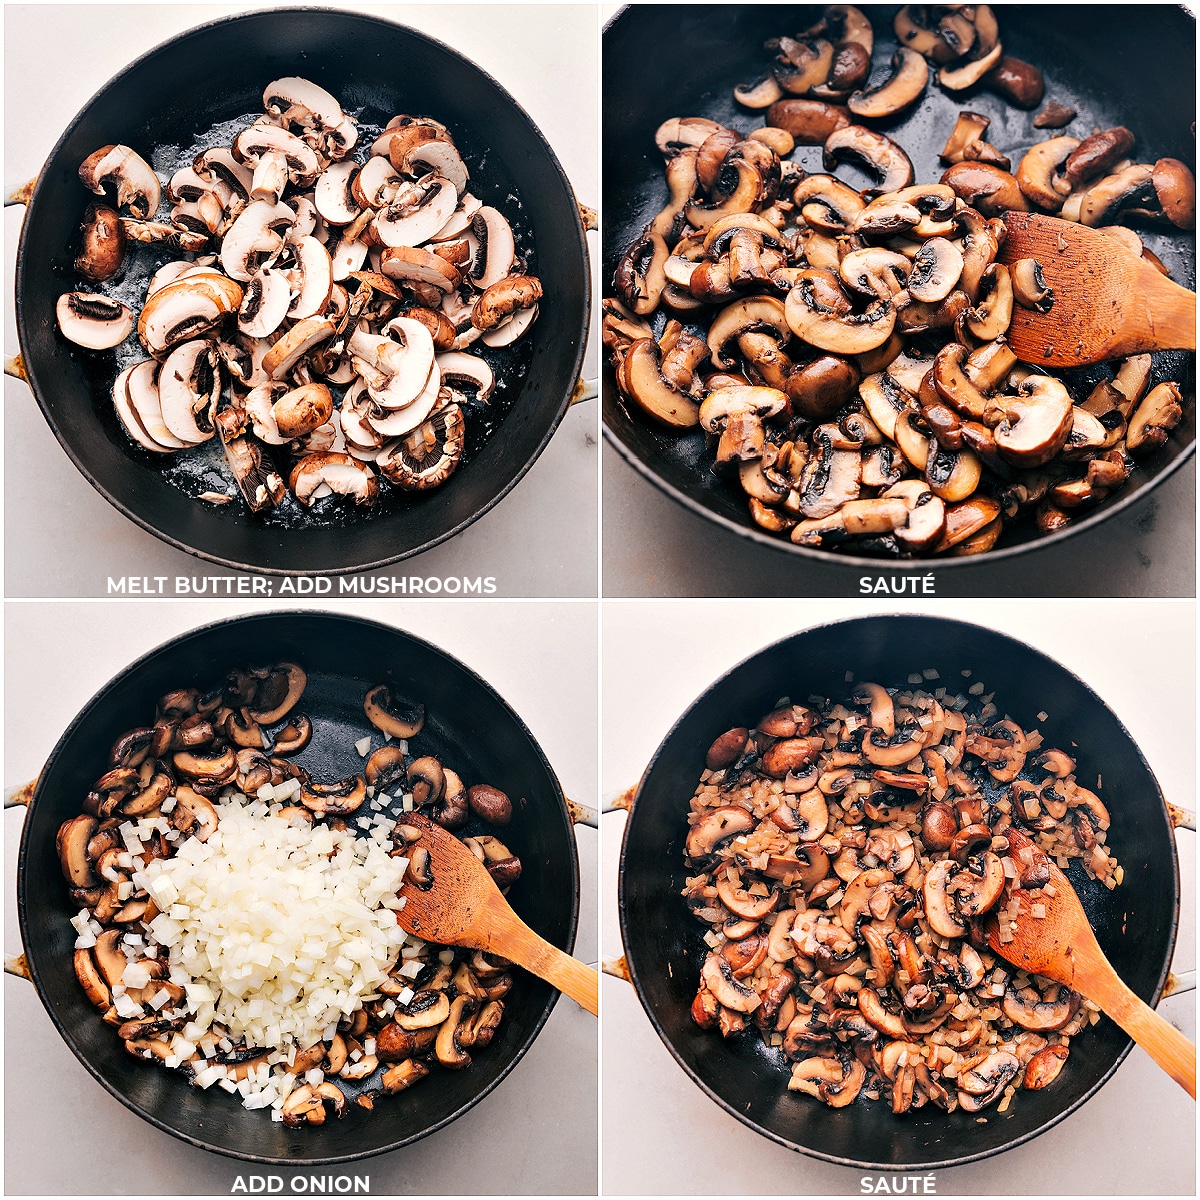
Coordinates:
[338,472]
[95,322]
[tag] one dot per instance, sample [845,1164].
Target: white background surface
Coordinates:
[62,538]
[662,1134]
[535,1134]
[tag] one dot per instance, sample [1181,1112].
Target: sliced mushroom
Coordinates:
[1175,187]
[1029,285]
[935,271]
[986,188]
[938,910]
[643,383]
[979,886]
[138,188]
[95,322]
[189,387]
[334,799]
[419,212]
[819,313]
[729,991]
[339,472]
[1156,416]
[1037,422]
[307,1103]
[983,1083]
[910,74]
[874,152]
[185,309]
[392,716]
[1041,1016]
[1044,1067]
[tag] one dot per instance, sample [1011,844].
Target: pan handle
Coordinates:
[586,389]
[1181,818]
[618,968]
[14,365]
[19,195]
[581,814]
[18,797]
[1180,981]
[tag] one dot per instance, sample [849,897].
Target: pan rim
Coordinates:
[861,562]
[749,532]
[62,744]
[580,244]
[769,650]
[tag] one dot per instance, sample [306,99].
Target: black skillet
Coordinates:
[664,945]
[215,73]
[1117,64]
[468,727]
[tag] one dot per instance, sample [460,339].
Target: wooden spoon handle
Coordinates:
[1157,1036]
[568,974]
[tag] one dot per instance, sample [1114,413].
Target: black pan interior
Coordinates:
[468,726]
[216,73]
[664,945]
[1116,64]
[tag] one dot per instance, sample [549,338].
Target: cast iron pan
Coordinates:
[1117,64]
[468,726]
[664,946]
[215,73]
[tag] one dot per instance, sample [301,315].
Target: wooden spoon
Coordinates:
[1108,302]
[1063,947]
[462,906]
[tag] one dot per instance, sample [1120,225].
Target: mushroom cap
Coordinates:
[302,410]
[1175,186]
[103,243]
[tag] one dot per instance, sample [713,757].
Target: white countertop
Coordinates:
[662,1134]
[535,1134]
[61,537]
